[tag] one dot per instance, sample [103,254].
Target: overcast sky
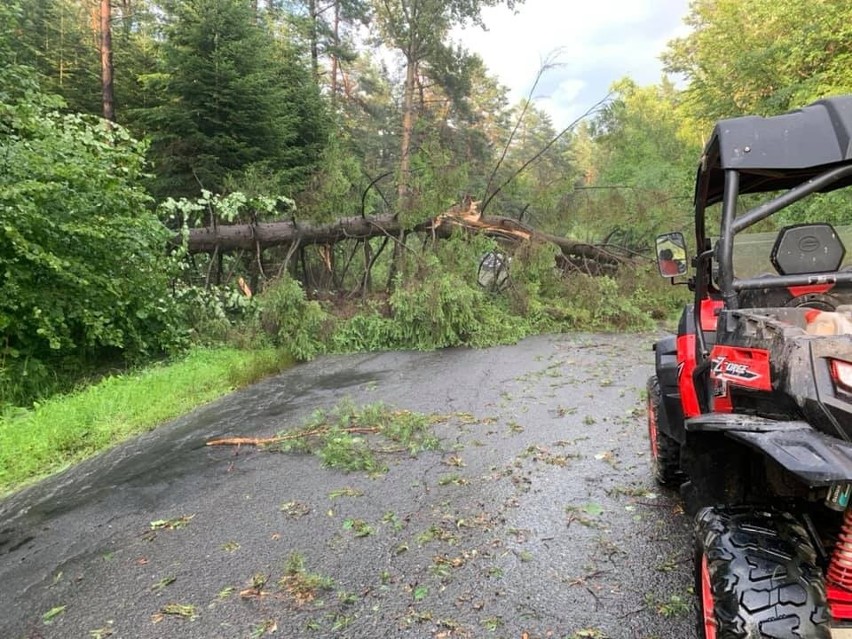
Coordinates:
[596,41]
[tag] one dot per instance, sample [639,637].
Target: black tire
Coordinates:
[665,450]
[756,570]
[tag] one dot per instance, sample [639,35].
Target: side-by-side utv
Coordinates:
[750,409]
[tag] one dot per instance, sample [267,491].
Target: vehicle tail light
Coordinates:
[841,373]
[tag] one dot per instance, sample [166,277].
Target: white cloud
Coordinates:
[558,103]
[595,43]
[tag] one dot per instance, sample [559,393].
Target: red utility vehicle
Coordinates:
[750,409]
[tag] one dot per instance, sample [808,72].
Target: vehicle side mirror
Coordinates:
[671,254]
[493,274]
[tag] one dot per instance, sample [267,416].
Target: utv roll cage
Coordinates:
[803,152]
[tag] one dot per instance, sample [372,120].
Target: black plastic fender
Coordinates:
[666,367]
[812,456]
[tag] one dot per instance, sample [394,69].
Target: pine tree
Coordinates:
[57,39]
[234,101]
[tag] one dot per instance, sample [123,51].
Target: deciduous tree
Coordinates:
[762,56]
[85,271]
[645,148]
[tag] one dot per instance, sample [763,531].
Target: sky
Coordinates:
[594,42]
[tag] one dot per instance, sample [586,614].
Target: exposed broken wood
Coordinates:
[225,238]
[512,229]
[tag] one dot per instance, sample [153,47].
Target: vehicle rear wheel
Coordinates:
[665,450]
[756,577]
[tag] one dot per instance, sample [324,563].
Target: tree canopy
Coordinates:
[308,112]
[762,56]
[234,100]
[84,273]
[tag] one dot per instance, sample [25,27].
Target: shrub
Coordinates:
[367,331]
[291,320]
[435,309]
[84,263]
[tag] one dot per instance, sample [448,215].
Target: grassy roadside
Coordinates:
[442,310]
[67,429]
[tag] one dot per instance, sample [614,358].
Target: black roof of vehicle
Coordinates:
[778,152]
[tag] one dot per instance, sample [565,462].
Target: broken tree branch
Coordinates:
[266,441]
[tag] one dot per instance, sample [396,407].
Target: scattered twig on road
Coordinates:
[633,612]
[581,581]
[594,596]
[654,505]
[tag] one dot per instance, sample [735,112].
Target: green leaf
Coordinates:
[593,509]
[52,614]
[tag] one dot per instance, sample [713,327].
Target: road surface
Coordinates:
[536,518]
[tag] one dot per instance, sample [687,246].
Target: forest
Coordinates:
[323,176]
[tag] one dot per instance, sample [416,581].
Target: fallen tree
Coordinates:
[262,235]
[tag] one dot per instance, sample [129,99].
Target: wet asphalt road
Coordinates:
[538,518]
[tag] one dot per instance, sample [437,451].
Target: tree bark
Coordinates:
[334,58]
[313,15]
[106,62]
[269,234]
[407,130]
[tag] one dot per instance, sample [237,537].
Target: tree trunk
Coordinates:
[407,130]
[314,36]
[334,59]
[268,234]
[106,62]
[404,203]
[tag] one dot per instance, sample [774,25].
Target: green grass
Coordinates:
[67,429]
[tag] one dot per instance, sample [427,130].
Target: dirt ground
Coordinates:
[537,518]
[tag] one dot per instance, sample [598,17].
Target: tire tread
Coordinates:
[763,575]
